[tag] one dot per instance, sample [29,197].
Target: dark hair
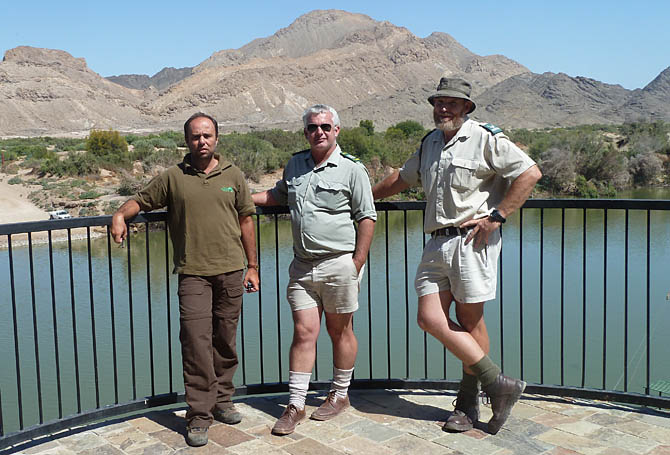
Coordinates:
[199,115]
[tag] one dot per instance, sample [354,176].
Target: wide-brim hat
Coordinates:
[453,87]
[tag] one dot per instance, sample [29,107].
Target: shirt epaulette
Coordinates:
[350,157]
[491,128]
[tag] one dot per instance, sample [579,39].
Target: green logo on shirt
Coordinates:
[227,189]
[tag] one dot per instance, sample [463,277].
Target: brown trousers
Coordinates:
[209,309]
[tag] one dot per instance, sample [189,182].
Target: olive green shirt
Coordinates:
[468,176]
[203,211]
[324,201]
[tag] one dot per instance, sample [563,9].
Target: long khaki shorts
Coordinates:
[330,283]
[448,264]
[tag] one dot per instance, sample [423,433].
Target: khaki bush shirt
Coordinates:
[324,201]
[203,211]
[468,176]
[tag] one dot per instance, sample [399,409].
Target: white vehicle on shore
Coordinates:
[59,215]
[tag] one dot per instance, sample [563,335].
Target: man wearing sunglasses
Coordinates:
[473,178]
[326,190]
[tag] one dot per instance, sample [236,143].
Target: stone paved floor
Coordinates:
[381,422]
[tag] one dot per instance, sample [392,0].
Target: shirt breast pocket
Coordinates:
[331,195]
[294,189]
[464,174]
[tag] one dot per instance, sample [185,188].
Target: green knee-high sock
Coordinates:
[469,384]
[485,370]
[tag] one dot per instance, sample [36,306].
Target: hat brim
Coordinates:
[451,94]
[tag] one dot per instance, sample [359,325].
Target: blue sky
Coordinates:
[627,45]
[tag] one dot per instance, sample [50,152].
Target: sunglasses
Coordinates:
[325,127]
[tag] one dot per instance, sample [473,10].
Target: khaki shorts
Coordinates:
[330,283]
[448,264]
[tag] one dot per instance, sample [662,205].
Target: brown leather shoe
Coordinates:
[504,392]
[288,420]
[466,412]
[330,408]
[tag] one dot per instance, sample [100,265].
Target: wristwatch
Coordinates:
[496,216]
[252,266]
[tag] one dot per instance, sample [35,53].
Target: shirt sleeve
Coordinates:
[410,172]
[362,201]
[508,160]
[154,195]
[243,204]
[280,192]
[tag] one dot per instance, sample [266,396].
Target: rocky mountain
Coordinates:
[365,68]
[159,81]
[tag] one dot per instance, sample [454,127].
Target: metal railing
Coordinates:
[80,346]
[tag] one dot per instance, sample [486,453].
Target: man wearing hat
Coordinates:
[473,177]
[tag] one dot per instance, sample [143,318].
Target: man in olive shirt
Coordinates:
[474,177]
[209,218]
[326,191]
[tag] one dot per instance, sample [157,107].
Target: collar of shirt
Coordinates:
[462,135]
[333,160]
[222,164]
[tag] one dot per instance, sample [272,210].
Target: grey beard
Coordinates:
[450,125]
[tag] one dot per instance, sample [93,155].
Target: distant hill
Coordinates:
[160,81]
[366,69]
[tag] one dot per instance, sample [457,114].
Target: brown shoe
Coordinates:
[504,392]
[466,412]
[288,420]
[330,408]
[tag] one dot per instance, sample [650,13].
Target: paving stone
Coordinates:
[410,444]
[48,444]
[111,429]
[373,430]
[569,441]
[324,432]
[171,438]
[562,451]
[636,428]
[357,445]
[264,433]
[374,413]
[468,445]
[553,419]
[660,450]
[227,436]
[211,448]
[580,428]
[131,437]
[419,428]
[655,433]
[39,450]
[308,446]
[106,449]
[256,446]
[607,419]
[525,427]
[525,410]
[146,425]
[157,448]
[518,442]
[82,441]
[661,421]
[615,439]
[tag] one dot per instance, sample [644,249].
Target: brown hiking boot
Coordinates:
[466,412]
[332,407]
[288,420]
[504,392]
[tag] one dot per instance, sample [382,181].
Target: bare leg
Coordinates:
[306,325]
[470,316]
[345,345]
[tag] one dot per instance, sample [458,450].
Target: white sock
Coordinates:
[298,383]
[341,381]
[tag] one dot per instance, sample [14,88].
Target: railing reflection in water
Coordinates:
[82,340]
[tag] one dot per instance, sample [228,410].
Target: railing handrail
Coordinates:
[281,386]
[159,215]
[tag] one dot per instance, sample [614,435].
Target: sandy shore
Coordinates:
[15,207]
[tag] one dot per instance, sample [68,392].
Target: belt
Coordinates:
[448,231]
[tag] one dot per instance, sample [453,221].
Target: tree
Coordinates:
[645,168]
[368,125]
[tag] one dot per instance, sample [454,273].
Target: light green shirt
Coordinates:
[324,201]
[468,176]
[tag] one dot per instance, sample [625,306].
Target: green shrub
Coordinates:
[15,180]
[109,147]
[90,194]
